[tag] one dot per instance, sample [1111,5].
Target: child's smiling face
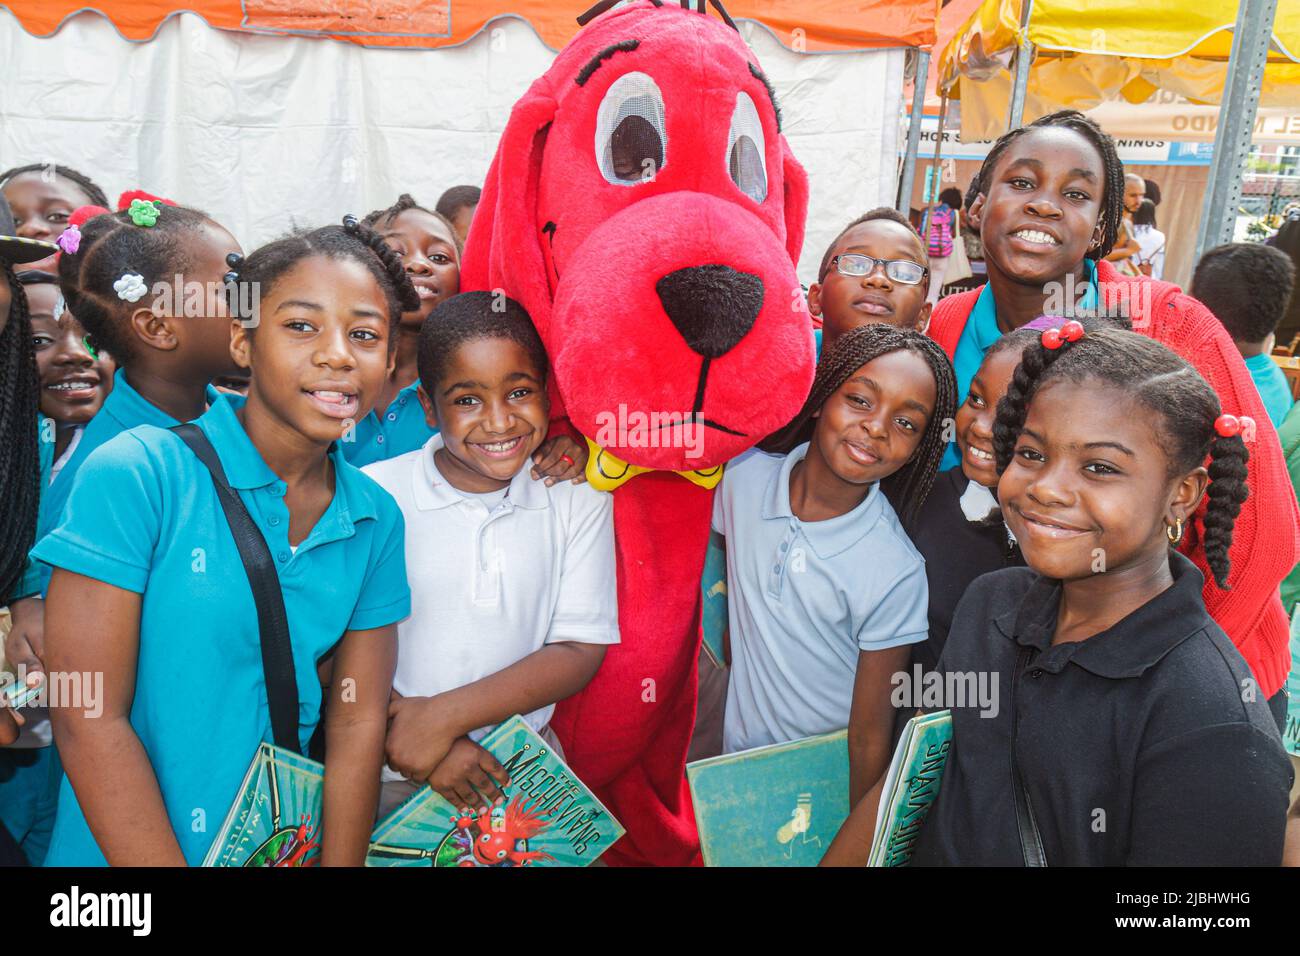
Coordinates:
[872,425]
[847,302]
[1089,480]
[319,355]
[41,206]
[74,384]
[490,403]
[974,421]
[1038,214]
[428,252]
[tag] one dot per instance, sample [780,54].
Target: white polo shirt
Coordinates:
[803,597]
[494,581]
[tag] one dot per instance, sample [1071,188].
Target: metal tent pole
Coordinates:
[1024,59]
[1250,40]
[913,131]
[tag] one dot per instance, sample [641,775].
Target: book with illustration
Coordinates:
[275,818]
[911,787]
[779,805]
[549,817]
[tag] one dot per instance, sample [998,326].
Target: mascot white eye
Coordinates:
[745,150]
[631,139]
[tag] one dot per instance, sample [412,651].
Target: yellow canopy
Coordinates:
[1089,52]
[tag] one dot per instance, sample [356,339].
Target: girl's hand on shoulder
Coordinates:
[418,737]
[468,775]
[561,458]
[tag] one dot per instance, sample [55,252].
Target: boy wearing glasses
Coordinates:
[876,270]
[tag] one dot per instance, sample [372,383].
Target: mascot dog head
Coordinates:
[645,209]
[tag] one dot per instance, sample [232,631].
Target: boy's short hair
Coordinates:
[880,212]
[468,317]
[457,198]
[1247,286]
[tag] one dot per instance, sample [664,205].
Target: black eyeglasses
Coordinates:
[900,270]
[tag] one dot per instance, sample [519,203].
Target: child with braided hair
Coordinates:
[1048,203]
[147,286]
[825,591]
[1135,733]
[144,553]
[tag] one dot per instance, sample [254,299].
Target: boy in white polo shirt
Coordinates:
[513,593]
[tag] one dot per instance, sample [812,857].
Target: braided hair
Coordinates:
[82,181]
[1160,380]
[1112,195]
[908,487]
[405,203]
[20,468]
[112,246]
[352,240]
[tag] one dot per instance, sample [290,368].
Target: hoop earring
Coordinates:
[1175,534]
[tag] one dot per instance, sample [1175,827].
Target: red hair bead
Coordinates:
[1052,339]
[1227,425]
[1072,331]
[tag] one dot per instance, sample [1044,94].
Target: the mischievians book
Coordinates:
[275,819]
[549,818]
[911,787]
[779,805]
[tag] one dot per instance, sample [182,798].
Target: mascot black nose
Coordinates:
[712,306]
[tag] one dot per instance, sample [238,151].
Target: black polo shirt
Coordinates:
[956,552]
[1135,745]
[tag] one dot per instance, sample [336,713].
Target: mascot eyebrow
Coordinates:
[627,46]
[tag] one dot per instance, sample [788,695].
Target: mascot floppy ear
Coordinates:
[504,248]
[796,201]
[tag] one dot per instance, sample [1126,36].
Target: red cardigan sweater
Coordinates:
[1266,538]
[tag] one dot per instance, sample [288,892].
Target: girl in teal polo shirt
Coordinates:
[150,592]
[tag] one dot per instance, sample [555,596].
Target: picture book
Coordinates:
[275,819]
[772,806]
[549,818]
[910,788]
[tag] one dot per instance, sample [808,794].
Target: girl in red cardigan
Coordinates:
[1048,205]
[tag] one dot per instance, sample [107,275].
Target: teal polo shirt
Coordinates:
[401,428]
[123,409]
[36,576]
[144,516]
[1270,381]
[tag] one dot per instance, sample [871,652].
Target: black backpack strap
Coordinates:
[1031,841]
[272,621]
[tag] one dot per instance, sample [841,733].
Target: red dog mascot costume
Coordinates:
[645,209]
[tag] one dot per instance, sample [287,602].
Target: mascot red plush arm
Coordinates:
[645,209]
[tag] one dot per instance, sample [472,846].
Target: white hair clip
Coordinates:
[130,288]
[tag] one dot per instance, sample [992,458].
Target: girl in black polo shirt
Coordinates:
[1135,729]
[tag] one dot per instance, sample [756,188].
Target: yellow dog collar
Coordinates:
[606,471]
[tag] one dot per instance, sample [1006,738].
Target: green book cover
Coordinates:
[911,787]
[713,591]
[275,818]
[772,806]
[549,818]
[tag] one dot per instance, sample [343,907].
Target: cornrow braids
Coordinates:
[82,181]
[1184,405]
[112,246]
[20,468]
[1112,196]
[352,240]
[908,487]
[406,202]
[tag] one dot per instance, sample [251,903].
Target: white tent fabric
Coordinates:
[266,133]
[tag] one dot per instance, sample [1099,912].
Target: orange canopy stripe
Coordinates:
[813,26]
